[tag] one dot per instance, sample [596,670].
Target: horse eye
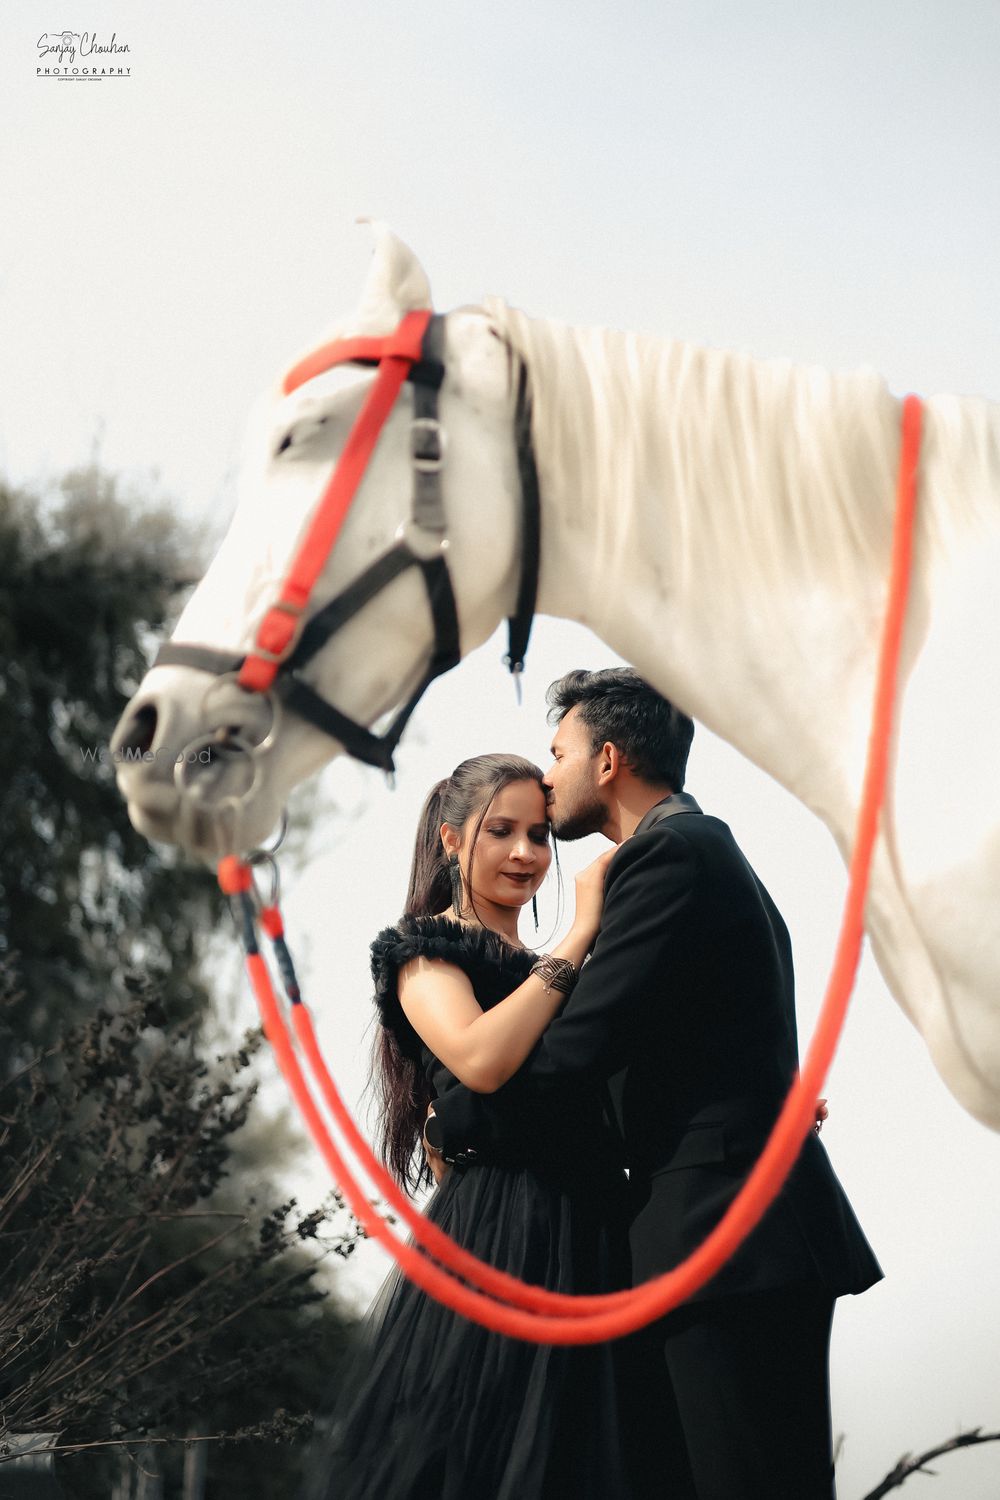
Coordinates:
[303,428]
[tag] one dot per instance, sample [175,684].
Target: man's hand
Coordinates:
[822,1113]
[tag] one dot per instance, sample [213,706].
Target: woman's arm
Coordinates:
[485,1048]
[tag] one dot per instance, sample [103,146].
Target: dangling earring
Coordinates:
[534,910]
[457,894]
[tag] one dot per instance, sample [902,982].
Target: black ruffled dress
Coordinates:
[437,1407]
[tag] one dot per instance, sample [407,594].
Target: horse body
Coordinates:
[722,523]
[742,566]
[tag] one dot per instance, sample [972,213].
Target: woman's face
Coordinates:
[512,853]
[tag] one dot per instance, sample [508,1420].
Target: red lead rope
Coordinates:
[531,1312]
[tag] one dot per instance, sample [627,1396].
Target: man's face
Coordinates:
[574,803]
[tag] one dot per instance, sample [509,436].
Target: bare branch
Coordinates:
[918,1465]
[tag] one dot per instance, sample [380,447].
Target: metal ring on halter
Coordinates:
[232,678]
[188,757]
[422,543]
[225,812]
[259,858]
[225,827]
[278,839]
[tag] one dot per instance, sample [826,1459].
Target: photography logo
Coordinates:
[82,56]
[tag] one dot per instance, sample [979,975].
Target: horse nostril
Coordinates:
[138,735]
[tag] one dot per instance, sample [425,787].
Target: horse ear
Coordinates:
[396,283]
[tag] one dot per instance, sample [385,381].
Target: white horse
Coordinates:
[721,522]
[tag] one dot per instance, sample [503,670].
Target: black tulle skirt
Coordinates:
[437,1408]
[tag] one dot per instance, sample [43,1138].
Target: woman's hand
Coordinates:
[439,1167]
[590,896]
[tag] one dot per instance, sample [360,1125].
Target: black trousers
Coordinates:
[729,1399]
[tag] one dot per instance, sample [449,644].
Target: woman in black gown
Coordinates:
[438,1408]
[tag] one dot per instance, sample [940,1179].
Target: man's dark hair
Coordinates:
[653,737]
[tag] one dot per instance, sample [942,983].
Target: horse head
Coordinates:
[267,677]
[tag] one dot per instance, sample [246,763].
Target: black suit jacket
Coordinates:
[687,1006]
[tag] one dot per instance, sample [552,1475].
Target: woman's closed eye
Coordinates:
[537,835]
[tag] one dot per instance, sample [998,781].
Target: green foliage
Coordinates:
[130,1303]
[150,1283]
[85,584]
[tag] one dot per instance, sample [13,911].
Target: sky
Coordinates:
[809,181]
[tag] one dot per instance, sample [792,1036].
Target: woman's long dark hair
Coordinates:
[401,1087]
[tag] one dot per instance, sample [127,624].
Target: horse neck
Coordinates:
[724,524]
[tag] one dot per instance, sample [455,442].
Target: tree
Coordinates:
[87,581]
[142,1289]
[130,1302]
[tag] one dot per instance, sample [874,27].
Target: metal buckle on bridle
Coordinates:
[297,613]
[428,441]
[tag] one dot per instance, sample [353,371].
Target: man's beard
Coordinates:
[586,818]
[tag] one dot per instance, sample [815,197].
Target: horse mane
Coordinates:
[762,470]
[747,457]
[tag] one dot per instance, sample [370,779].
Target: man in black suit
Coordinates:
[687,1006]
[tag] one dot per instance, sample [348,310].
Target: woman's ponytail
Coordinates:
[429,890]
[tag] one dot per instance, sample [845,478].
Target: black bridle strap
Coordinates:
[519,624]
[324,624]
[204,658]
[359,742]
[302,699]
[350,601]
[377,750]
[426,439]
